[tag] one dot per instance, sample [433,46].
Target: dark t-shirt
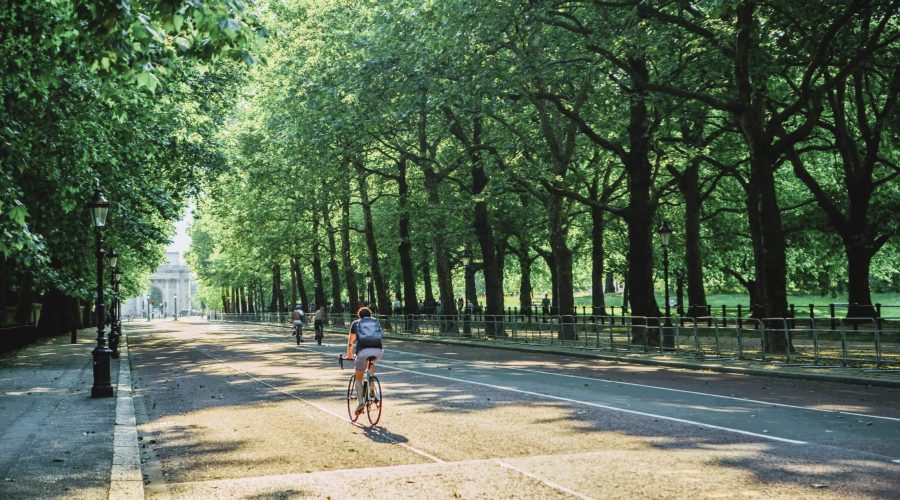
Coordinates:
[358,347]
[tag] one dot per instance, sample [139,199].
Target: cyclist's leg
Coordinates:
[360,398]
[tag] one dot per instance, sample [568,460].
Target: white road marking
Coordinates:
[317,406]
[646,386]
[606,407]
[547,482]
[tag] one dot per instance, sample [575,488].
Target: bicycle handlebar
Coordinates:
[341,360]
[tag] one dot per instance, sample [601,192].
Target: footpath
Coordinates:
[58,442]
[55,440]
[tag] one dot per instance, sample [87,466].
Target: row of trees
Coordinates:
[397,137]
[124,94]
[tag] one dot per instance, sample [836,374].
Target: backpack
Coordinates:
[297,315]
[368,333]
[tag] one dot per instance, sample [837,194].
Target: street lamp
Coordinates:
[147,300]
[99,209]
[112,259]
[369,291]
[175,299]
[665,234]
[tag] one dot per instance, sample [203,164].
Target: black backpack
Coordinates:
[368,333]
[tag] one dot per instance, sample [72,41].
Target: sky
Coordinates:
[181,242]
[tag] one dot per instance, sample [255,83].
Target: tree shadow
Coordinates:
[183,370]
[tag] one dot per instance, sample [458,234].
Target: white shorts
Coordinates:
[298,322]
[362,357]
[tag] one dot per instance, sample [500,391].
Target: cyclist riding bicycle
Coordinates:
[297,318]
[364,342]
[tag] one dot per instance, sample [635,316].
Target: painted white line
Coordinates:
[547,482]
[317,406]
[571,400]
[597,405]
[646,386]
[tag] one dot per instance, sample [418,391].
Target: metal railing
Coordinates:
[847,342]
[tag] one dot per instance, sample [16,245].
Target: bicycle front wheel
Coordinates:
[373,408]
[351,399]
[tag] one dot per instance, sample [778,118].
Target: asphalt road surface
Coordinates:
[233,410]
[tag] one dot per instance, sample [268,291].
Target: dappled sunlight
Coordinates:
[249,393]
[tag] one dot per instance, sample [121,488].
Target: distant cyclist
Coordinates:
[364,342]
[319,324]
[297,317]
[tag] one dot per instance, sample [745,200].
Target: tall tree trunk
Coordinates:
[641,211]
[689,185]
[333,270]
[410,303]
[381,293]
[273,302]
[441,257]
[563,282]
[349,271]
[301,287]
[293,285]
[318,281]
[859,259]
[598,303]
[484,231]
[426,277]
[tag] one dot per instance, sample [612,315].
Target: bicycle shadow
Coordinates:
[379,434]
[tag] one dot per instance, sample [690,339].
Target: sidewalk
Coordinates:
[55,441]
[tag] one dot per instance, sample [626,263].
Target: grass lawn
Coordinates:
[890,302]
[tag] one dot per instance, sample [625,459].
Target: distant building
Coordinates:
[170,279]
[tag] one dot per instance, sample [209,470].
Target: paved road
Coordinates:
[239,411]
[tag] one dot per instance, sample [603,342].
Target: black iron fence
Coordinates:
[820,341]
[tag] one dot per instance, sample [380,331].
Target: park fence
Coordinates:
[871,342]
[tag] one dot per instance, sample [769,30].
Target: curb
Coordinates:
[126,481]
[739,370]
[735,370]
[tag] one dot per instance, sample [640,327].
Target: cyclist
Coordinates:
[297,317]
[319,323]
[366,334]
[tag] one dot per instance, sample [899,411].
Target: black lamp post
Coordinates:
[147,300]
[665,234]
[99,208]
[369,288]
[175,310]
[112,259]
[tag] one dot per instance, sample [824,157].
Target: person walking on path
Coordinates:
[545,306]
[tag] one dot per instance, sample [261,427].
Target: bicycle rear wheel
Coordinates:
[373,406]
[351,399]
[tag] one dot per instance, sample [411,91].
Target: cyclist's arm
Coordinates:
[351,339]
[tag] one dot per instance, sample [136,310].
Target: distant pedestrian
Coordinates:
[545,306]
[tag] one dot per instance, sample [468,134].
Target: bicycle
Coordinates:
[298,332]
[320,331]
[371,388]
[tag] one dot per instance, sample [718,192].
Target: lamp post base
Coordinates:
[102,387]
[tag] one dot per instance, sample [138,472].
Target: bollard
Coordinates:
[724,314]
[831,310]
